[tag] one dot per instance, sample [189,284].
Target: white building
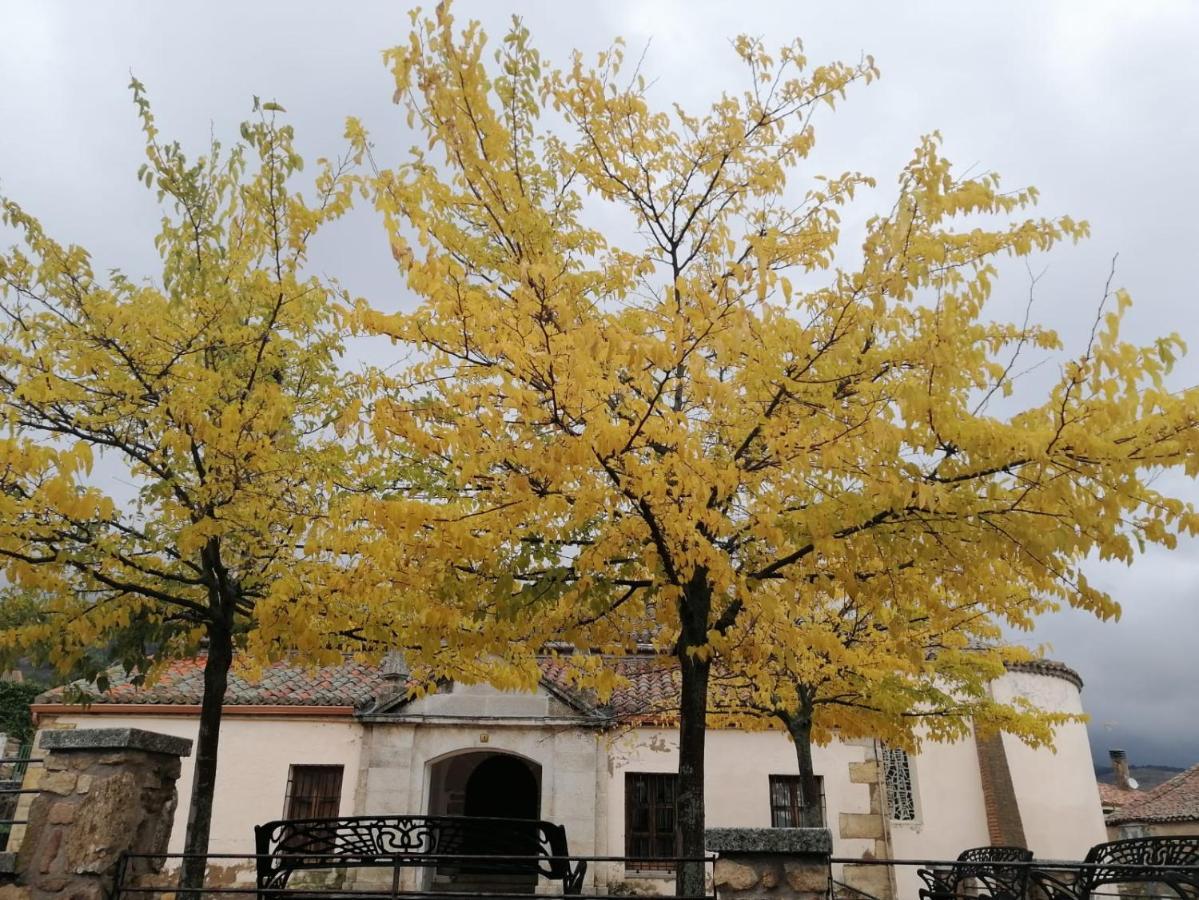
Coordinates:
[345,740]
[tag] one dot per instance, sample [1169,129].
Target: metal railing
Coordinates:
[141,875]
[234,874]
[1130,881]
[14,776]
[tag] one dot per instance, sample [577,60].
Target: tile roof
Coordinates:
[1049,667]
[652,685]
[182,683]
[1176,800]
[1113,796]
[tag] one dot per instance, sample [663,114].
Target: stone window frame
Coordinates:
[899,785]
[657,831]
[313,791]
[789,807]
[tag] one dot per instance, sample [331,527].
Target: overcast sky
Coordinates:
[1095,103]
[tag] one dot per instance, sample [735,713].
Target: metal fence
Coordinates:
[1031,880]
[452,876]
[233,875]
[14,780]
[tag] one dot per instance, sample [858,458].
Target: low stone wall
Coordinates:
[104,792]
[776,863]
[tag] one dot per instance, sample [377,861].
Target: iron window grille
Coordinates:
[897,775]
[787,801]
[313,792]
[650,821]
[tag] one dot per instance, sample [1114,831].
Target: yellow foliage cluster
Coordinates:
[701,428]
[168,443]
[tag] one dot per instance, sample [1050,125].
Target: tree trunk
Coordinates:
[694,612]
[199,813]
[811,813]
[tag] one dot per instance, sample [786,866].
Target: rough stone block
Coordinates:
[84,784]
[811,877]
[872,880]
[861,825]
[61,813]
[59,782]
[863,772]
[14,892]
[105,824]
[733,875]
[770,878]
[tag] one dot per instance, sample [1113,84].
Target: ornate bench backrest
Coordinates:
[989,861]
[1112,859]
[288,845]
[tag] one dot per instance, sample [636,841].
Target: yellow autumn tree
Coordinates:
[882,664]
[168,442]
[695,416]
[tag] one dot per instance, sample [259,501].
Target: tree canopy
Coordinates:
[169,442]
[714,411]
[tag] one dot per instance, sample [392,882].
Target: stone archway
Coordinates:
[487,784]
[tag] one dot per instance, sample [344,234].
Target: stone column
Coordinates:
[774,863]
[873,880]
[104,791]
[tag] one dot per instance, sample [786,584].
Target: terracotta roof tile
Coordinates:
[182,683]
[652,688]
[1176,800]
[1048,667]
[1113,796]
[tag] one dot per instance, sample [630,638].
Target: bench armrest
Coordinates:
[939,883]
[1004,883]
[1056,888]
[572,884]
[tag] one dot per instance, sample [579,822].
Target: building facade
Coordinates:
[347,740]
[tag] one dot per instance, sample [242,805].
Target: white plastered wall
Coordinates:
[1056,791]
[738,767]
[255,755]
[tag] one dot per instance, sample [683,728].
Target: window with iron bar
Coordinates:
[650,820]
[787,800]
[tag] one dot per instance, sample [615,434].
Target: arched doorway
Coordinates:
[504,787]
[486,784]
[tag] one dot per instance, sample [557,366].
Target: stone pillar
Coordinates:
[104,791]
[775,863]
[873,880]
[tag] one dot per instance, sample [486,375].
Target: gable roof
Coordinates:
[1176,800]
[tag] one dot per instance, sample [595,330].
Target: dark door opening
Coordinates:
[502,787]
[484,785]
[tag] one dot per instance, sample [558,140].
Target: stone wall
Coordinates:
[770,863]
[104,792]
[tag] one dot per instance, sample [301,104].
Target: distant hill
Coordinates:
[1146,776]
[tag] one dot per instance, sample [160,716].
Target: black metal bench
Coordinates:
[520,846]
[991,867]
[1146,860]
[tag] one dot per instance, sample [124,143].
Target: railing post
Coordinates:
[782,863]
[105,792]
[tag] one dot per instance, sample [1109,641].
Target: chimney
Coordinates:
[1120,767]
[395,668]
